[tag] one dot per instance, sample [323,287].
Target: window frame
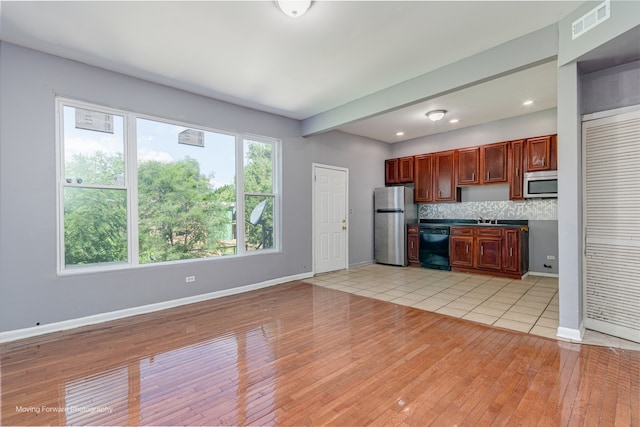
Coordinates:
[131,187]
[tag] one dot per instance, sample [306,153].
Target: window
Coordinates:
[139,190]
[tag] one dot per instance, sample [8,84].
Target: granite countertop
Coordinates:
[502,223]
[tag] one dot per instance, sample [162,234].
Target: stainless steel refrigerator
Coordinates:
[393,210]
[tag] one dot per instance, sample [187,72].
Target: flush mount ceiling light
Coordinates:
[399,133]
[293,8]
[454,121]
[436,115]
[527,102]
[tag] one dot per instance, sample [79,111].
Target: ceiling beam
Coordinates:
[515,55]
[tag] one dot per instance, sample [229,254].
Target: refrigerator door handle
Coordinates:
[389,211]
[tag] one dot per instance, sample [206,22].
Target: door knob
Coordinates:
[344,228]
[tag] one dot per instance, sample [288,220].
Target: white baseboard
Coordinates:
[571,334]
[535,273]
[64,325]
[361,264]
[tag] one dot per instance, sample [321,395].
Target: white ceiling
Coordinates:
[251,54]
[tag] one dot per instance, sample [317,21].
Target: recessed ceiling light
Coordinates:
[454,121]
[527,102]
[400,133]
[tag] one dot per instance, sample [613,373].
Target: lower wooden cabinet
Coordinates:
[413,245]
[498,251]
[489,249]
[461,247]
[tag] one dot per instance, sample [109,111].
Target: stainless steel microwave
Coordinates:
[541,184]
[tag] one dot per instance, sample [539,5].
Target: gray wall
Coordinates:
[611,88]
[31,291]
[525,126]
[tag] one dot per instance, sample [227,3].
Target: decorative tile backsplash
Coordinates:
[532,209]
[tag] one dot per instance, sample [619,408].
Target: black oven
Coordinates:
[434,246]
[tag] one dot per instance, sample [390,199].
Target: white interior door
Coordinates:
[612,224]
[330,235]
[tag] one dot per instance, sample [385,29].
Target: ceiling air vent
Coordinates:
[592,18]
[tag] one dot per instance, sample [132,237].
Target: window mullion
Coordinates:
[131,168]
[240,219]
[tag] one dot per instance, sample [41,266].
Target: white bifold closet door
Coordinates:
[612,224]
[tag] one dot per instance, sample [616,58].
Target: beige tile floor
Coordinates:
[529,305]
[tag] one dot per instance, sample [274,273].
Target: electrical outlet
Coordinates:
[190,279]
[551,257]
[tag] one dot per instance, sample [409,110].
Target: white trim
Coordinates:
[363,263]
[542,274]
[571,334]
[608,113]
[130,154]
[64,325]
[314,166]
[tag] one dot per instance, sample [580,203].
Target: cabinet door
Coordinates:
[461,251]
[413,242]
[405,170]
[515,170]
[494,163]
[468,166]
[511,251]
[489,253]
[391,171]
[423,178]
[538,154]
[444,177]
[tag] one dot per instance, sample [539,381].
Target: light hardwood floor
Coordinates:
[301,354]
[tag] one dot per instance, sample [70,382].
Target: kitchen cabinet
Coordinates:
[398,171]
[516,191]
[461,247]
[423,178]
[493,163]
[444,177]
[391,171]
[499,251]
[468,160]
[541,154]
[511,260]
[489,248]
[413,245]
[405,170]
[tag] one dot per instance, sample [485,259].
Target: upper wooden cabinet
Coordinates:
[423,178]
[493,163]
[515,170]
[541,153]
[444,177]
[405,170]
[398,171]
[486,164]
[468,160]
[391,171]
